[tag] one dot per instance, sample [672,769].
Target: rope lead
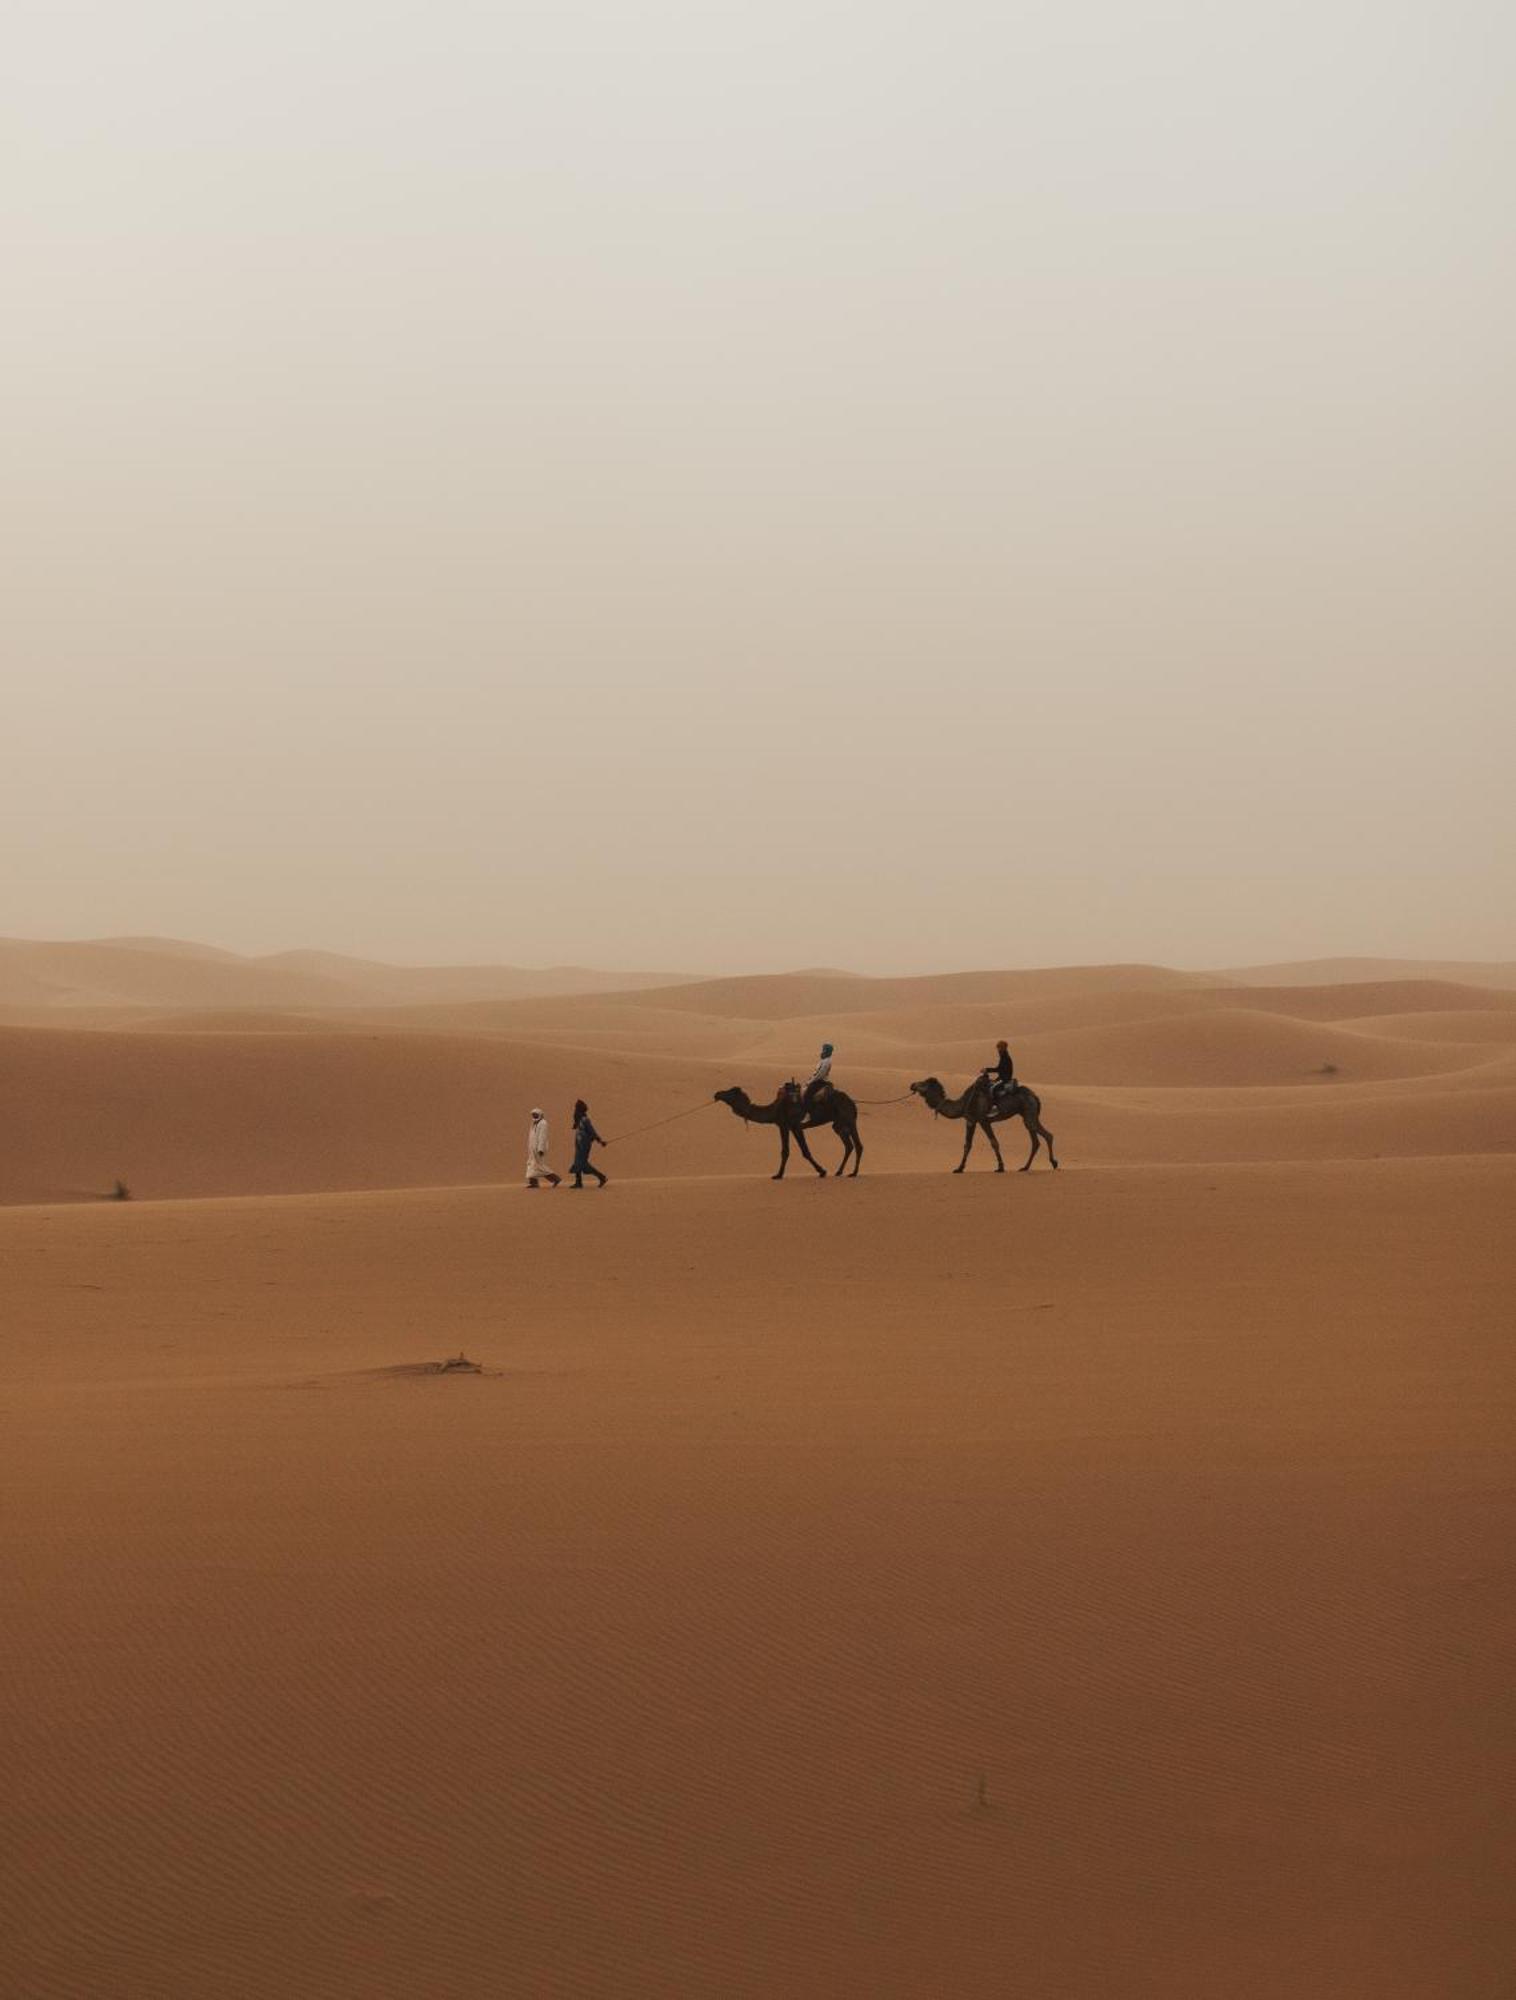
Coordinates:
[672,1119]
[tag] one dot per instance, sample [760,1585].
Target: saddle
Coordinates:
[795,1097]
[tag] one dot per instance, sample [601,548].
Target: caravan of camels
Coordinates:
[991,1099]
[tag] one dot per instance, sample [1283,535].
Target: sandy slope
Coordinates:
[1054,1586]
[1463,1025]
[1232,1047]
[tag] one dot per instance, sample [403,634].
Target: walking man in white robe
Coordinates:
[537,1168]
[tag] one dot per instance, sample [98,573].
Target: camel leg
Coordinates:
[857,1151]
[1047,1139]
[805,1149]
[970,1128]
[1031,1127]
[989,1133]
[784,1152]
[847,1150]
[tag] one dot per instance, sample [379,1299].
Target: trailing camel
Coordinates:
[978,1108]
[832,1107]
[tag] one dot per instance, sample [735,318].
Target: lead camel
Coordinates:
[978,1110]
[833,1107]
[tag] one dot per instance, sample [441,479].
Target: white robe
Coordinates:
[536,1150]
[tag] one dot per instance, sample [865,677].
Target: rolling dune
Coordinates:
[1497,973]
[1232,1046]
[1068,1585]
[277,1101]
[950,1022]
[198,1114]
[117,974]
[806,996]
[1467,1025]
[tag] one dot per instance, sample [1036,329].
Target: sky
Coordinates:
[696,486]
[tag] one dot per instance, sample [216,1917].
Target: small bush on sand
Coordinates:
[121,1192]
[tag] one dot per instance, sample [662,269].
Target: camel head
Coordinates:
[736,1097]
[929,1089]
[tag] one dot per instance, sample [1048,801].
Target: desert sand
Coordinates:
[1080,1584]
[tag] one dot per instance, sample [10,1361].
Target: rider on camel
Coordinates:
[821,1079]
[1003,1073]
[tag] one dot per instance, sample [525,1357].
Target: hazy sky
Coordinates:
[682,484]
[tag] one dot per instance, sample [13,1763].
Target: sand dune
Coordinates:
[186,1114]
[803,996]
[1020,1016]
[226,1021]
[1062,1586]
[910,1016]
[1500,973]
[277,1101]
[1387,1121]
[368,980]
[1465,1025]
[160,973]
[1072,1584]
[1360,1000]
[632,1021]
[143,974]
[1233,1046]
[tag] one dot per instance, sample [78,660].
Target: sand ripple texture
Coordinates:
[1092,1584]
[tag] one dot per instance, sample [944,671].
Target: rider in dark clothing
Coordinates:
[1003,1071]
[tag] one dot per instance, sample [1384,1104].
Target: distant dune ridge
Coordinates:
[172,973]
[166,972]
[1346,971]
[184,1070]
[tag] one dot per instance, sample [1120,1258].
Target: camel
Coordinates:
[977,1108]
[834,1107]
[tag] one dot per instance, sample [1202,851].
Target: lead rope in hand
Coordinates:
[672,1119]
